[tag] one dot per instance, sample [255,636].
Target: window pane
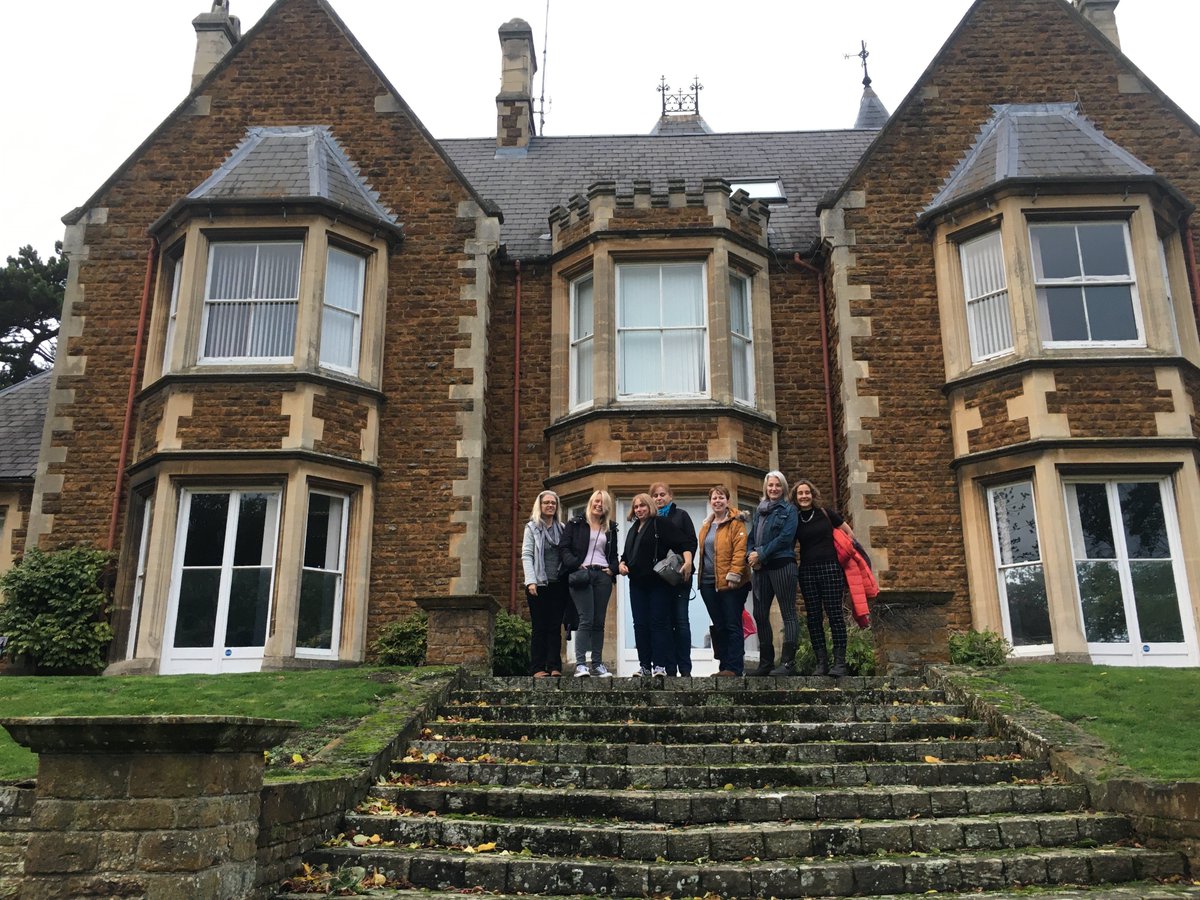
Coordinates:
[739,306]
[252,547]
[985,288]
[1143,519]
[1028,609]
[1016,524]
[1094,523]
[641,363]
[318,597]
[582,315]
[741,368]
[343,280]
[683,353]
[338,338]
[249,601]
[683,295]
[1102,245]
[323,534]
[278,272]
[232,274]
[196,622]
[1055,253]
[228,329]
[1110,313]
[1103,605]
[1156,601]
[582,373]
[639,304]
[1064,312]
[206,530]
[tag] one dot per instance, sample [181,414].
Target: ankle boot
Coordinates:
[787,662]
[822,666]
[765,665]
[839,668]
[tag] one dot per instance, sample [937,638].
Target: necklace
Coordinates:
[812,512]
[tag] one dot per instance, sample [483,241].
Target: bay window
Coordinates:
[1086,291]
[662,333]
[250,300]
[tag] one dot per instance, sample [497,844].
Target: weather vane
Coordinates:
[862,54]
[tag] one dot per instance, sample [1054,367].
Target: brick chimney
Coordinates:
[216,33]
[514,103]
[1102,14]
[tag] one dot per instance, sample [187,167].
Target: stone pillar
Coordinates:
[514,104]
[1102,14]
[461,630]
[146,806]
[216,33]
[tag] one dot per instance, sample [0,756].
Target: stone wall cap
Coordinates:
[147,734]
[459,602]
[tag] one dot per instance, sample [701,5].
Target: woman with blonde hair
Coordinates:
[772,559]
[589,557]
[545,591]
[649,539]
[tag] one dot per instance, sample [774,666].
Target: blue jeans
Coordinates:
[650,604]
[591,602]
[725,611]
[681,628]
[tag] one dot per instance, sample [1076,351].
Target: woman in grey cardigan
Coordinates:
[545,592]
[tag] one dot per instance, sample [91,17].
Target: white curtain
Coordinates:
[661,329]
[986,289]
[250,309]
[341,315]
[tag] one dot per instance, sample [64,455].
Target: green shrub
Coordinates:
[510,654]
[402,643]
[860,651]
[978,648]
[54,609]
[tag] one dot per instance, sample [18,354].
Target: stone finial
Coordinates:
[216,33]
[514,104]
[1102,14]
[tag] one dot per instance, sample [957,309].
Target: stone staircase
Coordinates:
[732,787]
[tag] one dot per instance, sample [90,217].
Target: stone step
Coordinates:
[457,728]
[735,842]
[877,875]
[717,754]
[637,696]
[1143,890]
[704,807]
[710,683]
[589,714]
[618,777]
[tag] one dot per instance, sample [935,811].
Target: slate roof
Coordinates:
[527,186]
[1051,141]
[303,162]
[871,111]
[22,411]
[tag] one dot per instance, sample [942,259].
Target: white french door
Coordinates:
[222,579]
[1128,572]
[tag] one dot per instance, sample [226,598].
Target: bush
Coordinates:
[402,643]
[54,610]
[510,654]
[860,651]
[978,648]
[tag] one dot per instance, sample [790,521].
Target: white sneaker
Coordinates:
[659,671]
[643,672]
[600,672]
[582,671]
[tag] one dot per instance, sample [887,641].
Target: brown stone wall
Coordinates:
[1008,51]
[235,416]
[344,413]
[1191,381]
[1108,402]
[268,82]
[991,399]
[659,218]
[16,805]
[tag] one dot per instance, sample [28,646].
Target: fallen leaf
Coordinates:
[932,759]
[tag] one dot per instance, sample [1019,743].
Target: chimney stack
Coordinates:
[1102,14]
[514,103]
[216,33]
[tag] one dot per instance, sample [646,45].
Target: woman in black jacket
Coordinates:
[589,560]
[647,541]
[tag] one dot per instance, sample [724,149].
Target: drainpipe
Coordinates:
[1189,255]
[820,276]
[118,487]
[516,444]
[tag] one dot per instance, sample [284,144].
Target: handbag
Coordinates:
[579,578]
[670,568]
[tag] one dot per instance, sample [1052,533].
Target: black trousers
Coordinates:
[546,618]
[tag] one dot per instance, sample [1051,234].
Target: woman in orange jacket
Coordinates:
[724,579]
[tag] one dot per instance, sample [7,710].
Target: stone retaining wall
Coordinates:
[16,805]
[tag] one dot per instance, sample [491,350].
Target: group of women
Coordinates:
[574,565]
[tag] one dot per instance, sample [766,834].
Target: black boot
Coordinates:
[787,662]
[822,666]
[766,656]
[839,668]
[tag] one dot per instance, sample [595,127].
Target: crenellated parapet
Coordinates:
[680,208]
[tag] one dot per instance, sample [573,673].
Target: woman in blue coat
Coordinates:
[772,557]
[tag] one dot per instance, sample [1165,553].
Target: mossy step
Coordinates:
[617,777]
[642,697]
[683,715]
[792,878]
[712,682]
[736,842]
[457,727]
[1144,890]
[707,806]
[718,754]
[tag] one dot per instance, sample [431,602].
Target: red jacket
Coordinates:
[859,577]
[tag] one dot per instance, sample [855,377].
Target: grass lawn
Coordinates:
[328,703]
[1148,717]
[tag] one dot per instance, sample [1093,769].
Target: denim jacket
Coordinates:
[779,534]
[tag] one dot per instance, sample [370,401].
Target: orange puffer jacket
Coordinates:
[729,556]
[859,577]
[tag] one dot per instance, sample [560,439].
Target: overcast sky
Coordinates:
[82,82]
